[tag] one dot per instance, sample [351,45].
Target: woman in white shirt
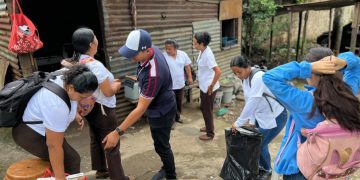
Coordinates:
[260,107]
[177,61]
[102,119]
[209,74]
[45,139]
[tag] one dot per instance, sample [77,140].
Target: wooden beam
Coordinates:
[298,36]
[355,27]
[289,36]
[330,28]
[304,34]
[26,64]
[271,37]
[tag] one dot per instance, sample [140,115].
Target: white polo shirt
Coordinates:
[256,106]
[176,67]
[206,62]
[101,74]
[48,107]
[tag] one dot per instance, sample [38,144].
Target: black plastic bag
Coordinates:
[243,154]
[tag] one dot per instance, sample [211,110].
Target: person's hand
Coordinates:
[339,63]
[190,81]
[117,83]
[111,140]
[210,89]
[323,67]
[233,128]
[80,120]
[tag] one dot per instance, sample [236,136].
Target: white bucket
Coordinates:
[227,93]
[218,97]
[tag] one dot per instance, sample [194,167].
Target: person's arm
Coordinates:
[54,141]
[112,138]
[351,71]
[215,79]
[248,111]
[188,74]
[110,89]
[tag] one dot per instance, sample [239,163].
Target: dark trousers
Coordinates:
[179,94]
[100,126]
[207,106]
[35,144]
[160,132]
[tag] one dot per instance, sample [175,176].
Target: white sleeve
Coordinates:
[55,113]
[187,59]
[248,111]
[100,71]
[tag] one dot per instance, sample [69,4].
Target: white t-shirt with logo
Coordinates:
[256,107]
[48,107]
[176,67]
[206,62]
[101,74]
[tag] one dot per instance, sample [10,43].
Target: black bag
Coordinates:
[243,154]
[15,96]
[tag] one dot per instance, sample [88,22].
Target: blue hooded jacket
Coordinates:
[299,103]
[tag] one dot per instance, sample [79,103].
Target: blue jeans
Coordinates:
[268,136]
[298,176]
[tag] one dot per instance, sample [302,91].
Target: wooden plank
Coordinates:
[26,64]
[355,27]
[3,66]
[230,9]
[289,36]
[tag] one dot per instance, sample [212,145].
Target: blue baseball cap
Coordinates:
[137,40]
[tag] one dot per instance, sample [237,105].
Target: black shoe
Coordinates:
[179,121]
[264,175]
[159,175]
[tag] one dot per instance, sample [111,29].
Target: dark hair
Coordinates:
[172,42]
[240,61]
[335,100]
[81,40]
[203,37]
[81,78]
[315,54]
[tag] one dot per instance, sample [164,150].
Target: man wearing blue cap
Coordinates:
[156,99]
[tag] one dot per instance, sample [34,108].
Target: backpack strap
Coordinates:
[252,73]
[266,95]
[53,87]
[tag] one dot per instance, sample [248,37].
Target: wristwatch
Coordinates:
[119,131]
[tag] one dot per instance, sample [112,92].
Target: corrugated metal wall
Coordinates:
[213,27]
[5,28]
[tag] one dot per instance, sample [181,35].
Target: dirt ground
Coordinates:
[194,158]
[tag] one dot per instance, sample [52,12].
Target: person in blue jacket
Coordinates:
[299,102]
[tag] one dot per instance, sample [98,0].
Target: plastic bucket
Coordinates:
[227,93]
[218,97]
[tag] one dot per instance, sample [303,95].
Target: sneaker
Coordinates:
[159,175]
[205,137]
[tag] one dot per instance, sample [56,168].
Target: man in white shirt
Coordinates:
[177,61]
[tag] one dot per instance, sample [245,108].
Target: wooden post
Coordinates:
[330,28]
[355,27]
[26,64]
[271,37]
[298,36]
[304,34]
[289,35]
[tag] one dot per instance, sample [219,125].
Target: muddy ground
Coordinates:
[194,158]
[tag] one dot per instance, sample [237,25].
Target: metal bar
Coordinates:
[355,27]
[289,36]
[304,34]
[330,28]
[271,37]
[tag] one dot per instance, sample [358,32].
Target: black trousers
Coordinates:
[207,106]
[160,131]
[179,94]
[100,126]
[35,144]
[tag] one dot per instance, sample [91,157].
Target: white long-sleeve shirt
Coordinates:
[256,107]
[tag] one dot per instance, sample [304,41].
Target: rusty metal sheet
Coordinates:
[223,59]
[212,26]
[230,9]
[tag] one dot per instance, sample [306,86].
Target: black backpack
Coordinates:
[15,96]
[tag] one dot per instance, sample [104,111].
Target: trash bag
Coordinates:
[243,154]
